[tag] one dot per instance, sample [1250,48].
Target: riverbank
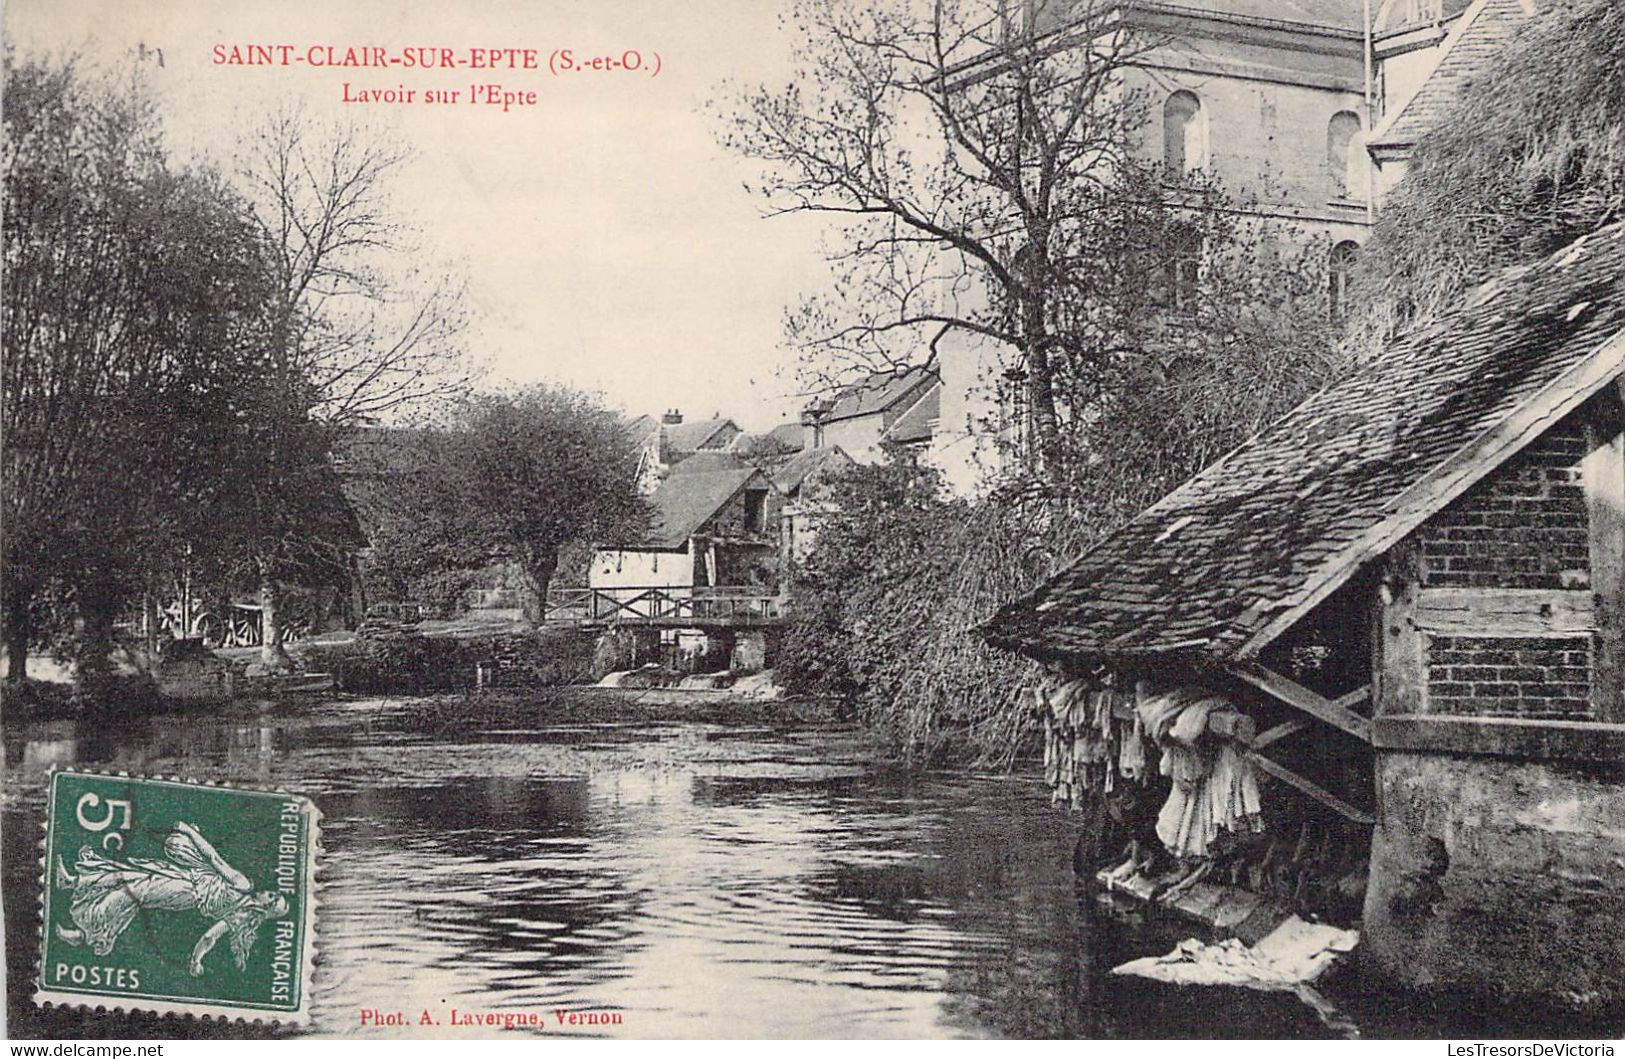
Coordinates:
[592,704]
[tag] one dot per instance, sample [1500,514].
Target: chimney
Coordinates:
[672,417]
[812,425]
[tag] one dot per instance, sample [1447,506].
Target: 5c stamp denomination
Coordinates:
[167,896]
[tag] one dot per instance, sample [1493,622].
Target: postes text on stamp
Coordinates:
[167,896]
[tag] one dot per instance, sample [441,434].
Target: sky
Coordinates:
[606,238]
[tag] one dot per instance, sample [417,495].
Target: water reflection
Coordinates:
[700,880]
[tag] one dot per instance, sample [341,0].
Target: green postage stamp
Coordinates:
[167,896]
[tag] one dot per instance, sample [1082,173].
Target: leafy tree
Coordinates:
[1257,341]
[885,608]
[983,167]
[1530,157]
[967,157]
[133,302]
[521,477]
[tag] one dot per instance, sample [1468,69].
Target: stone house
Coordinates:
[668,440]
[863,418]
[1414,587]
[715,524]
[804,481]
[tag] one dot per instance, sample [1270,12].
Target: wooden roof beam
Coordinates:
[1309,787]
[1286,690]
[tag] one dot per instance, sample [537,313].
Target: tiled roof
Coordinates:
[686,501]
[807,463]
[783,440]
[792,434]
[709,460]
[640,427]
[1472,45]
[696,434]
[878,392]
[918,423]
[1227,557]
[688,436]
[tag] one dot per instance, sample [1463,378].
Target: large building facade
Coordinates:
[1305,110]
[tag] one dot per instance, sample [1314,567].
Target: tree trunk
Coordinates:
[19,630]
[1043,443]
[272,654]
[539,571]
[149,627]
[93,663]
[1043,436]
[358,593]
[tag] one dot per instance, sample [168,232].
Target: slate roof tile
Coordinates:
[878,392]
[1471,48]
[685,502]
[1221,554]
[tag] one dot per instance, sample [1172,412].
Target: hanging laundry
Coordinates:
[1214,787]
[1131,759]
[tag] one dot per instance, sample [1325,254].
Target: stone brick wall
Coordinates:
[1266,110]
[1500,676]
[1498,878]
[1524,527]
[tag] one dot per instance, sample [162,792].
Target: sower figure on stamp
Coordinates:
[107,893]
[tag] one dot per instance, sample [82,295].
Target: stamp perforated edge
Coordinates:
[118,1003]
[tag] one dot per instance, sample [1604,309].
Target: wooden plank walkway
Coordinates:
[663,606]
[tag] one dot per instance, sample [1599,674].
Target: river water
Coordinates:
[697,879]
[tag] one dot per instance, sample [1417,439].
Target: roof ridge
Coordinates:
[1241,550]
[1464,25]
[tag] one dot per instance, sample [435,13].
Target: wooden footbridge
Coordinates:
[664,606]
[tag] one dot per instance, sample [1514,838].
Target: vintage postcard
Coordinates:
[813,519]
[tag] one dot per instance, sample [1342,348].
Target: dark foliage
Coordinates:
[134,299]
[1531,157]
[886,609]
[408,663]
[528,477]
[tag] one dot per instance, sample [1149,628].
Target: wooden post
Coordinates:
[1293,694]
[1603,476]
[1399,675]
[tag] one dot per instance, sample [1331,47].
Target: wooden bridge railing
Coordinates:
[662,605]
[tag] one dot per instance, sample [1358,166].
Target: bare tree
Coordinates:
[982,164]
[973,152]
[357,331]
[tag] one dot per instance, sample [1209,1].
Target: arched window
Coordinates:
[1184,148]
[1342,156]
[1341,273]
